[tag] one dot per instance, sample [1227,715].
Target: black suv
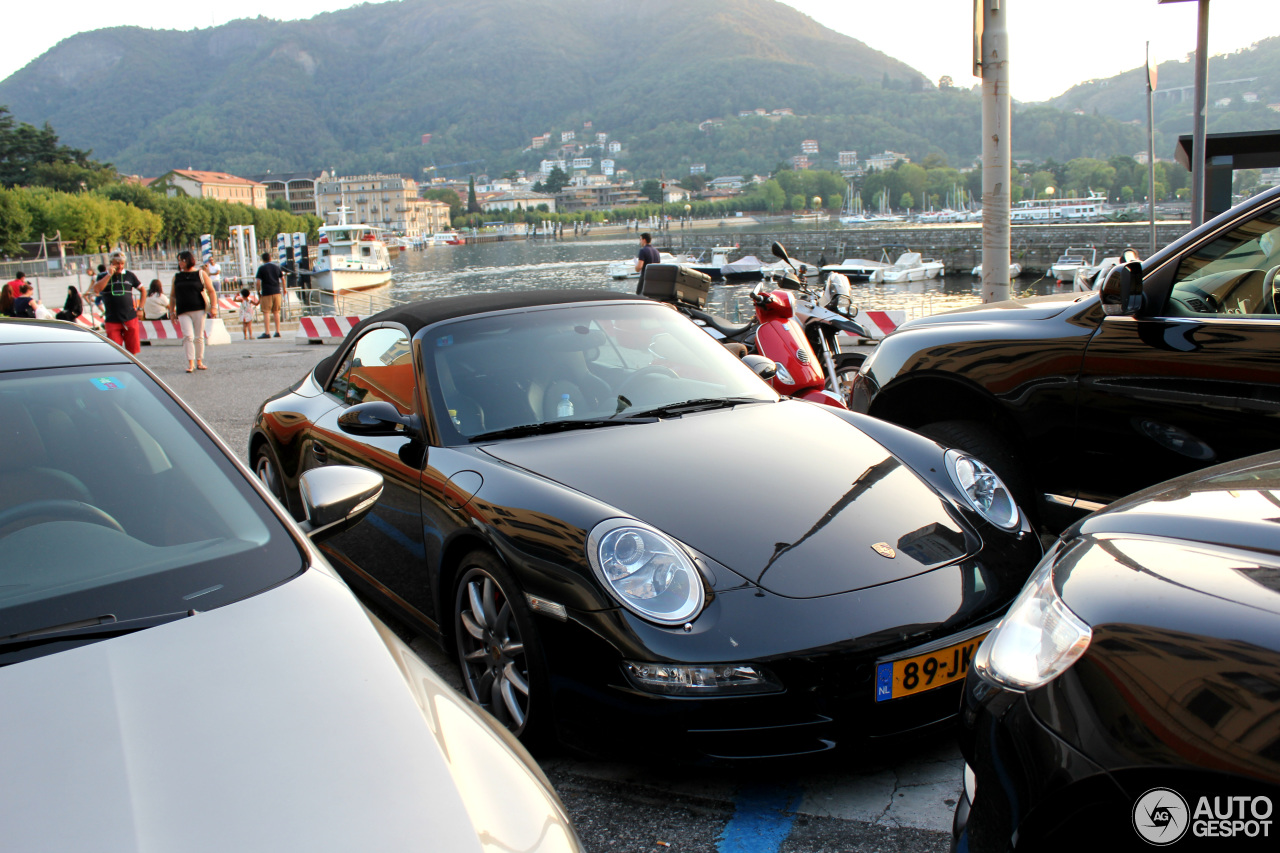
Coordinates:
[1078,398]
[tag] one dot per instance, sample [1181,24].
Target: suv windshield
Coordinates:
[577,364]
[117,508]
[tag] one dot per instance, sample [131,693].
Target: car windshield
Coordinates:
[118,508]
[584,363]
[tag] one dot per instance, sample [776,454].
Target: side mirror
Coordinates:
[376,418]
[1121,293]
[765,368]
[779,252]
[1130,254]
[337,497]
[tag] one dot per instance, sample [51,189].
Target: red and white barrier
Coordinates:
[325,329]
[880,323]
[165,332]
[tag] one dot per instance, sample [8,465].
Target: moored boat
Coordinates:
[910,266]
[351,257]
[1073,259]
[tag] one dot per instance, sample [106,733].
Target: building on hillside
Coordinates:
[710,123]
[784,111]
[606,167]
[809,146]
[219,186]
[800,161]
[540,141]
[615,146]
[886,160]
[674,193]
[602,138]
[298,190]
[567,135]
[725,182]
[847,159]
[583,162]
[518,200]
[390,202]
[599,197]
[697,168]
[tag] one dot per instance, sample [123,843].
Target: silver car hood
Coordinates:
[277,723]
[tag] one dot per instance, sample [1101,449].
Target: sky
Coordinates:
[1052,45]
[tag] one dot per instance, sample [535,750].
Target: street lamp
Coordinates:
[1048,191]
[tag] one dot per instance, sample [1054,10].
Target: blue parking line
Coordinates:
[762,820]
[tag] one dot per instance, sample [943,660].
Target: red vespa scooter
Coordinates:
[780,338]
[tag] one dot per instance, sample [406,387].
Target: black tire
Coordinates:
[266,467]
[498,650]
[847,366]
[991,447]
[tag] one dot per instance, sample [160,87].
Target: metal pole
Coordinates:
[1151,149]
[996,148]
[1198,140]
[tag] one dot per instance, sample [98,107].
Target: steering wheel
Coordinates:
[1269,289]
[70,510]
[650,370]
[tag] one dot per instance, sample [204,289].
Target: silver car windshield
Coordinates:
[116,506]
[583,362]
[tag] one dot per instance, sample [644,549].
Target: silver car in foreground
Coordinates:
[180,669]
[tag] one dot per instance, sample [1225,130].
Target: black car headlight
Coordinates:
[1037,640]
[647,571]
[983,489]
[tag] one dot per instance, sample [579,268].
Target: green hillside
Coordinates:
[356,90]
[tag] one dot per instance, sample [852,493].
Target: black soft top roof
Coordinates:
[417,315]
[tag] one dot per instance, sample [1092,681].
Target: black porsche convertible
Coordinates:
[632,543]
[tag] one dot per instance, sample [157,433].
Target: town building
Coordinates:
[800,161]
[390,202]
[726,182]
[809,146]
[697,168]
[606,167]
[886,160]
[615,146]
[518,200]
[567,136]
[847,159]
[575,199]
[219,186]
[298,190]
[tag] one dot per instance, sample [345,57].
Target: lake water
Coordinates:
[581,263]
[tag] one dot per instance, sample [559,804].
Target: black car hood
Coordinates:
[787,494]
[1034,308]
[1234,505]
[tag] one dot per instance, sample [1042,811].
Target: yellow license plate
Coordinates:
[898,678]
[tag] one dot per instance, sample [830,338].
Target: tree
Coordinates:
[652,190]
[473,205]
[31,156]
[15,221]
[279,204]
[555,181]
[907,200]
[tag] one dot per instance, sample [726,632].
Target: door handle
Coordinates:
[321,454]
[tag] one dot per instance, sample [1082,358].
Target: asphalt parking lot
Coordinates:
[897,802]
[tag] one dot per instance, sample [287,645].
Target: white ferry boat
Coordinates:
[446,238]
[351,257]
[1047,210]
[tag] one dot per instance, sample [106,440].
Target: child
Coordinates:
[247,300]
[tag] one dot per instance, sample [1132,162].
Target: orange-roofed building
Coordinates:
[215,185]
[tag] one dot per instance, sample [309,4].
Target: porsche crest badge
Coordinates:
[883,549]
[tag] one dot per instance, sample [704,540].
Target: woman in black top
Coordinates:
[73,307]
[191,296]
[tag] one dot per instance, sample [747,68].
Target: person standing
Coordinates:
[214,272]
[269,280]
[121,294]
[191,296]
[647,255]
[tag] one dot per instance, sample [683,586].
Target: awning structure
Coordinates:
[1223,154]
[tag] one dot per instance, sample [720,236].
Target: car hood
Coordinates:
[824,510]
[277,723]
[1233,505]
[1034,308]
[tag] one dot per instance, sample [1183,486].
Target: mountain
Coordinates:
[1249,78]
[358,89]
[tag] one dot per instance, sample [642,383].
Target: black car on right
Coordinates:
[1076,399]
[1131,694]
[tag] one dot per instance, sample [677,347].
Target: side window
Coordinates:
[378,367]
[1233,274]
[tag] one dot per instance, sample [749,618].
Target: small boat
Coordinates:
[351,257]
[1015,270]
[619,270]
[719,257]
[910,266]
[1088,278]
[856,269]
[810,216]
[1074,258]
[445,238]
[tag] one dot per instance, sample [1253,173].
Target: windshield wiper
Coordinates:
[701,404]
[93,627]
[561,426]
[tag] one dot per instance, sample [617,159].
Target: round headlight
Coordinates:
[646,571]
[983,489]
